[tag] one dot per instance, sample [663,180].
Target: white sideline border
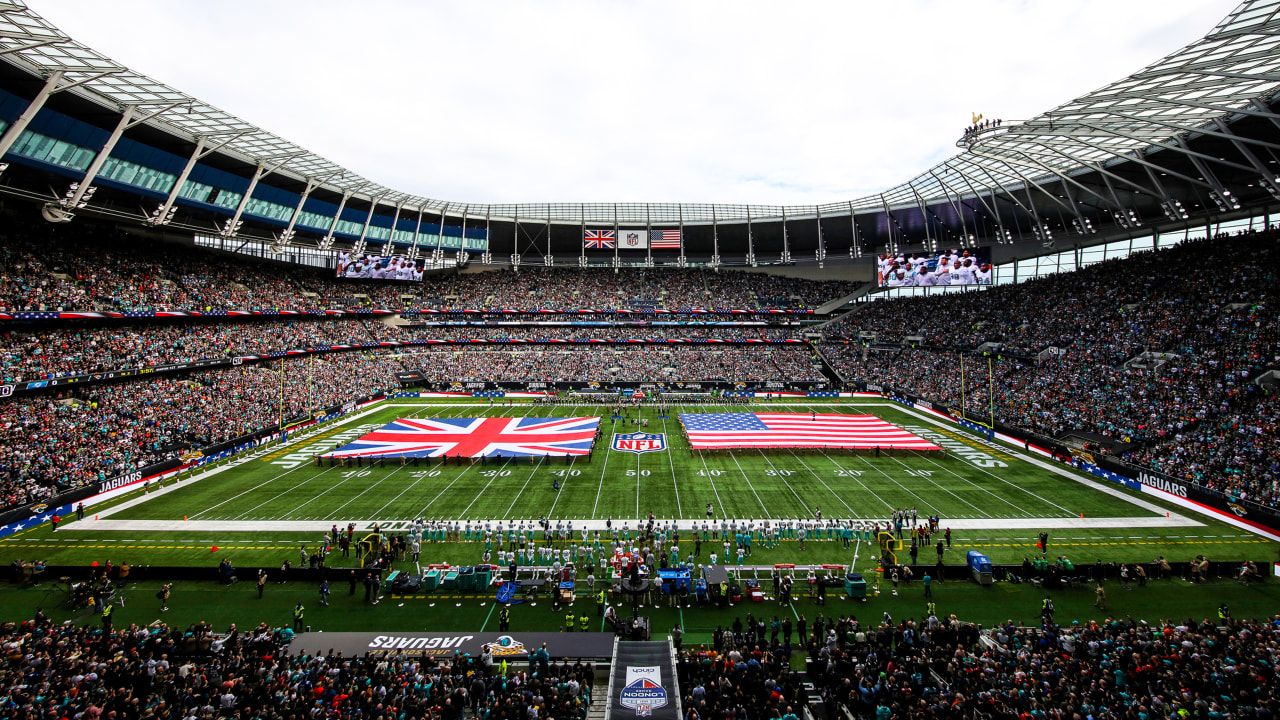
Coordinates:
[100,521]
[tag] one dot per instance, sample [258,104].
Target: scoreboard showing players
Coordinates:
[378,267]
[953,267]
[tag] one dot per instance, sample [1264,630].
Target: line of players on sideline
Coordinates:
[947,268]
[534,542]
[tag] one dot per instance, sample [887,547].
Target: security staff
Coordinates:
[600,603]
[504,619]
[298,611]
[582,622]
[106,617]
[568,621]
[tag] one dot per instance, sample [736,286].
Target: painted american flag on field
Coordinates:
[720,431]
[599,239]
[475,437]
[668,239]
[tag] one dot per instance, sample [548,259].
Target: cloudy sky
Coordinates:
[759,102]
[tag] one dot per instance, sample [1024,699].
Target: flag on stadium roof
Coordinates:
[669,239]
[599,239]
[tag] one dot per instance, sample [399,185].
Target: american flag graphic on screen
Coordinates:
[719,431]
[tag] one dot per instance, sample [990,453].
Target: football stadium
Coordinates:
[283,442]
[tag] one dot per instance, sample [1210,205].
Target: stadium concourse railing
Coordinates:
[1135,477]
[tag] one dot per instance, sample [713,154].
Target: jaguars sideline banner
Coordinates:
[514,646]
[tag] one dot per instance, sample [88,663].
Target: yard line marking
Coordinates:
[930,480]
[947,490]
[824,483]
[456,478]
[763,507]
[672,463]
[246,512]
[1006,482]
[804,507]
[710,479]
[603,469]
[923,502]
[409,487]
[858,480]
[496,474]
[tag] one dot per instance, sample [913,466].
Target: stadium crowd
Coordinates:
[51,444]
[58,350]
[159,671]
[1205,310]
[89,268]
[1116,668]
[642,363]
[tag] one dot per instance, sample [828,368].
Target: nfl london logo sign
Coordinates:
[639,442]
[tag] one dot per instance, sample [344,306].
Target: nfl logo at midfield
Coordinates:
[639,442]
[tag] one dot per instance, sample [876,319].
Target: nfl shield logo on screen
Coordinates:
[633,239]
[640,442]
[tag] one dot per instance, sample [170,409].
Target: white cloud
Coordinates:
[746,102]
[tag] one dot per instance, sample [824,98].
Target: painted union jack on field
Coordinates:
[476,437]
[599,239]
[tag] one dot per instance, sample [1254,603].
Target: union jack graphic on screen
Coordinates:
[476,437]
[599,239]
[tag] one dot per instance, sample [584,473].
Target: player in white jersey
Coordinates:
[898,279]
[404,271]
[382,269]
[984,275]
[942,273]
[965,274]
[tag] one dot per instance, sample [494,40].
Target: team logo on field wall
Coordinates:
[639,442]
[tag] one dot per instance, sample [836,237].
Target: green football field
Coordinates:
[996,498]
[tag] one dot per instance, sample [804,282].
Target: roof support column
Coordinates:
[786,244]
[388,248]
[327,241]
[11,134]
[233,225]
[60,211]
[855,250]
[821,252]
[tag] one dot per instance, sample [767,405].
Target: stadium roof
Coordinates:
[1232,72]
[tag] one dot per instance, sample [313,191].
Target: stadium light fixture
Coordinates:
[1224,200]
[715,261]
[1083,225]
[1174,210]
[751,259]
[486,258]
[786,257]
[515,260]
[549,260]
